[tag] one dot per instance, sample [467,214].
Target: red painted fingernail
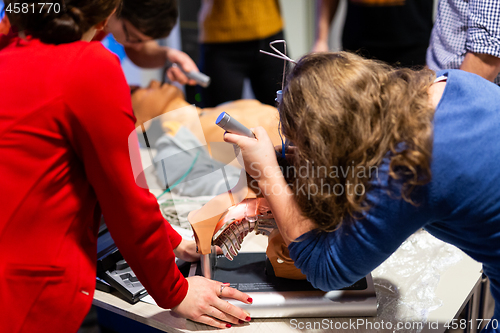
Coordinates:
[248,318]
[240,321]
[228,325]
[249,300]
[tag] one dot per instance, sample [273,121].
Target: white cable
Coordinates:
[283,57]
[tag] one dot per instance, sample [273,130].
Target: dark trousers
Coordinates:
[228,64]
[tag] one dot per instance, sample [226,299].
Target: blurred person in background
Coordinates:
[466,35]
[231,35]
[394,31]
[137,26]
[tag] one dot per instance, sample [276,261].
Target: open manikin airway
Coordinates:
[241,219]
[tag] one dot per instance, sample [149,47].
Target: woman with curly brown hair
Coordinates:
[378,154]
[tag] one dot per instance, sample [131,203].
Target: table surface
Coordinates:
[454,289]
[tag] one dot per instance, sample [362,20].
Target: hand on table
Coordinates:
[186,250]
[185,62]
[203,303]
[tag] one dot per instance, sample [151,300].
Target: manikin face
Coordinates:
[126,34]
[152,101]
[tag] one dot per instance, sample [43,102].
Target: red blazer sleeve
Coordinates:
[99,107]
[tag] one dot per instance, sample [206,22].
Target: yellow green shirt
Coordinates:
[224,21]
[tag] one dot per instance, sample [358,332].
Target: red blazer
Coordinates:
[65,120]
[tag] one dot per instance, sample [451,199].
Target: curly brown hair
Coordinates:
[344,112]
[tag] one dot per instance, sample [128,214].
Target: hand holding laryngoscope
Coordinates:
[200,78]
[231,125]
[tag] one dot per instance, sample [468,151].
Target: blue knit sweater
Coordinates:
[461,204]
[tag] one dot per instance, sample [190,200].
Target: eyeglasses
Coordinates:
[127,36]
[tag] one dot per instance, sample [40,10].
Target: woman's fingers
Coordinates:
[226,311]
[239,140]
[229,311]
[223,316]
[229,292]
[182,59]
[211,321]
[203,304]
[231,138]
[175,74]
[259,132]
[220,312]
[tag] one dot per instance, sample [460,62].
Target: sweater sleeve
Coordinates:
[338,259]
[99,107]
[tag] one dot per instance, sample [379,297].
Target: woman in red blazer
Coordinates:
[64,161]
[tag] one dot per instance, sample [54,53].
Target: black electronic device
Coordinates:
[113,271]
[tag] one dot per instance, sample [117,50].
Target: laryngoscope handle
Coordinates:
[200,78]
[226,122]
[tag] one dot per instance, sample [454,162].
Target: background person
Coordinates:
[394,31]
[231,35]
[65,159]
[136,26]
[435,145]
[466,35]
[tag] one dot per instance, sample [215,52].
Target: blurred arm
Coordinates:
[102,123]
[483,39]
[325,10]
[482,64]
[149,55]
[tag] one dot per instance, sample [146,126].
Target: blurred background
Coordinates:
[299,19]
[299,16]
